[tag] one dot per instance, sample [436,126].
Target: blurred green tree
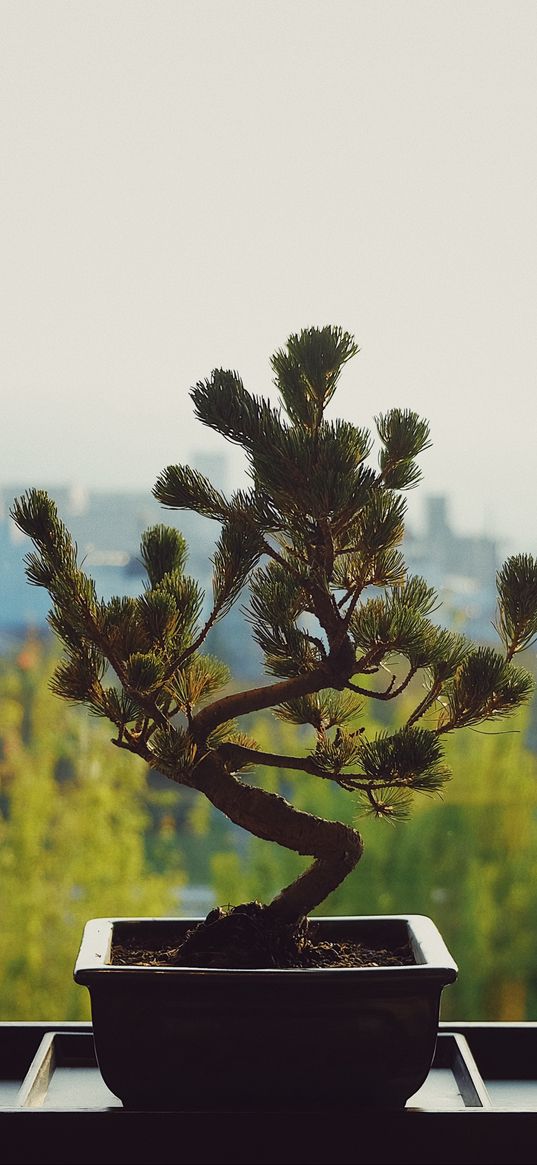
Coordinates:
[73,815]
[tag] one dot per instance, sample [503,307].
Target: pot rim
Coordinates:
[433,960]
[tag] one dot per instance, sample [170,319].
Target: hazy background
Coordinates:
[185,183]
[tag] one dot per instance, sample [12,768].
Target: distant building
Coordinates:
[462,568]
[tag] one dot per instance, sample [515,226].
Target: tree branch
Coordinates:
[171,670]
[426,703]
[255,699]
[389,693]
[336,847]
[237,755]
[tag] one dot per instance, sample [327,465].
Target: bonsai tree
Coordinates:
[317,539]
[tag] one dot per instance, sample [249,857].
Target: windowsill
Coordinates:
[479,1104]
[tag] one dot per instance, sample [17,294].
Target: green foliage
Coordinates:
[407,761]
[172,751]
[187,598]
[387,625]
[222,403]
[329,526]
[273,593]
[77,677]
[320,476]
[471,862]
[276,602]
[352,571]
[55,566]
[120,708]
[484,687]
[288,650]
[334,755]
[163,550]
[404,435]
[323,710]
[159,616]
[201,677]
[453,650]
[37,516]
[237,551]
[379,523]
[181,488]
[120,624]
[73,815]
[517,599]
[416,594]
[143,671]
[308,369]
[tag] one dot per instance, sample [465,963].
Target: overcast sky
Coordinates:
[186,183]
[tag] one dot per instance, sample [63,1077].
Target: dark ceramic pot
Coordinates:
[196,1038]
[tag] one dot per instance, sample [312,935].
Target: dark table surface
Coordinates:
[479,1104]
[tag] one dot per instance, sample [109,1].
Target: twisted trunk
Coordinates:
[335,847]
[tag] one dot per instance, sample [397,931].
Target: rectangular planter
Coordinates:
[198,1038]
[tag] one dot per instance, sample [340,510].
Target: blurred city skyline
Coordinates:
[226,469]
[107,527]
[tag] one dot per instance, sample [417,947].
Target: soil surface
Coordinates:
[248,937]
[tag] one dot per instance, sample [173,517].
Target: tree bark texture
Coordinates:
[336,847]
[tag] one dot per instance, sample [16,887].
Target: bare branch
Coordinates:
[255,699]
[389,693]
[237,755]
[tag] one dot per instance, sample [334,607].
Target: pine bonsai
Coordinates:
[340,621]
